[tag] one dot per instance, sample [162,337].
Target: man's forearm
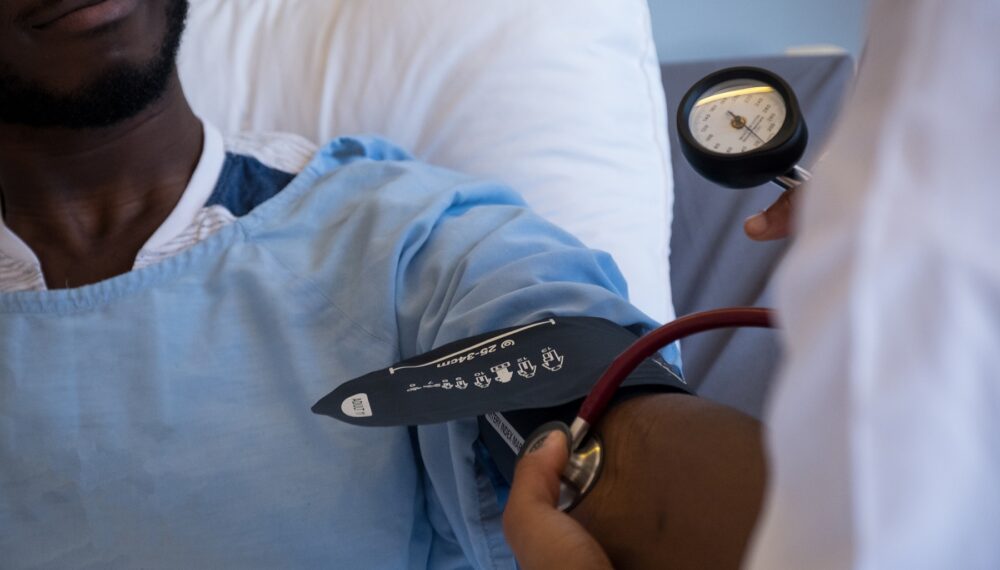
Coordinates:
[682,485]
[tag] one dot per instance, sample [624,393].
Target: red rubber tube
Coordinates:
[599,398]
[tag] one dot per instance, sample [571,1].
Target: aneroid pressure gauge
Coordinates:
[741,127]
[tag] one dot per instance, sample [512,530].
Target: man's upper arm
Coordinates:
[491,263]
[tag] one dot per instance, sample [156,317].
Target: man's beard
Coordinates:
[117,94]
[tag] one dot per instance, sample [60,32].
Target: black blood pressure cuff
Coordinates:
[513,379]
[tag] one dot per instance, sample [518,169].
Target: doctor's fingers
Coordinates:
[775,222]
[540,535]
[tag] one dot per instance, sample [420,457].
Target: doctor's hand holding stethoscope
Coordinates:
[541,535]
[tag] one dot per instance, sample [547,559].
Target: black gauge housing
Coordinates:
[752,168]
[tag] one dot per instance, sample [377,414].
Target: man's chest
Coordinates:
[178,426]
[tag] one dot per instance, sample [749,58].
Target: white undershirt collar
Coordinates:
[197,193]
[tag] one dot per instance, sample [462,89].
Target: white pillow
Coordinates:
[561,99]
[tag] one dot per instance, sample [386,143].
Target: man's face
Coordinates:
[85,63]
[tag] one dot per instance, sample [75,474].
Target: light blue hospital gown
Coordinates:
[160,419]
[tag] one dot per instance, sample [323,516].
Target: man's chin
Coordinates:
[123,90]
[119,95]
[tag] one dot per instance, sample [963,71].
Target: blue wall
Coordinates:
[700,29]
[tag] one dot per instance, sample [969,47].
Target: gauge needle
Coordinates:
[745,125]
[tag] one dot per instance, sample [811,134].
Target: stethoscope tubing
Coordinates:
[597,401]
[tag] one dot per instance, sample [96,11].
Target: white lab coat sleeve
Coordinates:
[884,431]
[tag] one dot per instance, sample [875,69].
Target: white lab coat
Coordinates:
[884,431]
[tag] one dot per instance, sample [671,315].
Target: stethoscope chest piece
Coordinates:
[583,468]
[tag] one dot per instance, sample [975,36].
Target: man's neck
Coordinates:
[86,201]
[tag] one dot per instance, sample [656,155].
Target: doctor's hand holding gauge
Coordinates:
[742,127]
[739,127]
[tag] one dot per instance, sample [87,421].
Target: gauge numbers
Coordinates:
[737,116]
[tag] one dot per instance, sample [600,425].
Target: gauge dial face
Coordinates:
[737,116]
